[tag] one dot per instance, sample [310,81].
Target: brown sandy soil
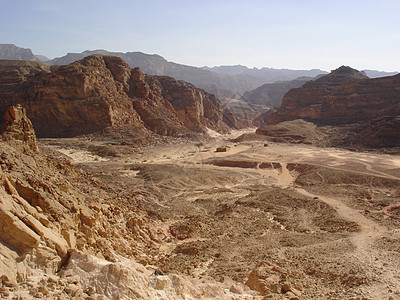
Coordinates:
[328,217]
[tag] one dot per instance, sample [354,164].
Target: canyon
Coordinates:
[179,220]
[112,187]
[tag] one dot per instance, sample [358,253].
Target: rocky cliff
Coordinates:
[344,96]
[195,108]
[100,92]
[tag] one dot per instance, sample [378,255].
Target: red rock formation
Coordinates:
[101,92]
[344,96]
[195,108]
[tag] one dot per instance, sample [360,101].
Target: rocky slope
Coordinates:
[64,235]
[379,134]
[101,92]
[344,96]
[44,216]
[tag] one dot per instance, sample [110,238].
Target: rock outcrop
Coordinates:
[18,128]
[268,279]
[101,92]
[344,96]
[46,211]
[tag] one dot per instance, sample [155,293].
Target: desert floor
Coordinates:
[329,218]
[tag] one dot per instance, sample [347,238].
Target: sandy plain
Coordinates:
[330,218]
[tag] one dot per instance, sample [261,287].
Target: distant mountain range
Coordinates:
[268,74]
[236,79]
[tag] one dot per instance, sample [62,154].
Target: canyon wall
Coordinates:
[100,92]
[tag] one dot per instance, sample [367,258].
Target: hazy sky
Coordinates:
[295,34]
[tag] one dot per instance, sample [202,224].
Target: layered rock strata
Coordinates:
[101,92]
[344,96]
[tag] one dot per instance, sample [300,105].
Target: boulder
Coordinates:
[268,278]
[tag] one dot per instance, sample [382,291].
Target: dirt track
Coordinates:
[329,217]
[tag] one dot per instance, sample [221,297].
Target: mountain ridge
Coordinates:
[269,74]
[237,79]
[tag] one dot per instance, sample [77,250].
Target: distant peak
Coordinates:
[347,73]
[345,69]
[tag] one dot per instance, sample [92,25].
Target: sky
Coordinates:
[293,34]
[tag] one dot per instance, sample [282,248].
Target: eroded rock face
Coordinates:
[193,107]
[18,127]
[101,92]
[46,212]
[344,96]
[379,133]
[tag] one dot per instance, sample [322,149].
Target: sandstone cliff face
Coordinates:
[18,128]
[83,97]
[14,75]
[345,96]
[101,92]
[195,108]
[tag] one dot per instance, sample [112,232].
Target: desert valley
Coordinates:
[124,176]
